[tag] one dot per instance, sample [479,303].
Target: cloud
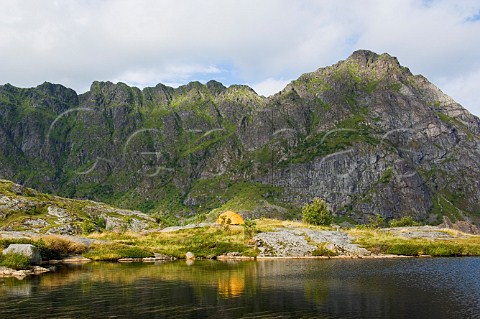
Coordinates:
[143,42]
[270,86]
[173,75]
[465,89]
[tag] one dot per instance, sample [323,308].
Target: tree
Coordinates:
[317,213]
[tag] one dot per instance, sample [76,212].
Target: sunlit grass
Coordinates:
[113,252]
[15,261]
[267,225]
[380,242]
[206,242]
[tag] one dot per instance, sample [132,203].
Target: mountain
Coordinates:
[364,134]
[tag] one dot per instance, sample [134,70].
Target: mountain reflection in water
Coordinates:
[389,288]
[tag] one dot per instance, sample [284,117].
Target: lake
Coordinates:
[335,288]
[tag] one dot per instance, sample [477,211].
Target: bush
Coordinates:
[87,227]
[249,228]
[56,247]
[317,213]
[403,222]
[15,261]
[322,250]
[376,222]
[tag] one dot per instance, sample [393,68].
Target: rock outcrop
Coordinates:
[364,134]
[27,250]
[29,210]
[303,242]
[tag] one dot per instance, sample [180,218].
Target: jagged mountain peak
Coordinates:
[364,134]
[367,57]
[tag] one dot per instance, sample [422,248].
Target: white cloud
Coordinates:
[269,86]
[140,42]
[174,75]
[464,89]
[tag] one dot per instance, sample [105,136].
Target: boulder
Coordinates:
[189,255]
[32,252]
[57,211]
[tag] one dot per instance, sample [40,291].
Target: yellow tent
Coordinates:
[230,218]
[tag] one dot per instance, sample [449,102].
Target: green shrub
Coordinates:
[87,227]
[322,250]
[405,248]
[317,213]
[15,261]
[100,222]
[403,222]
[249,228]
[376,222]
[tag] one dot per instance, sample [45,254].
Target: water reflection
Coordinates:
[420,288]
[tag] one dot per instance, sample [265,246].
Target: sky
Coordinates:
[261,43]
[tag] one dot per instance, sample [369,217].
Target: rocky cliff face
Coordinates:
[364,134]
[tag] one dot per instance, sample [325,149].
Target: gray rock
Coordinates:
[57,211]
[283,243]
[303,242]
[35,222]
[67,229]
[137,225]
[114,224]
[28,250]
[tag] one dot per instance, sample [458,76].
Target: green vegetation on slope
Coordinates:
[380,242]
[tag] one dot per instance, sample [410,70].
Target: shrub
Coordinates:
[317,213]
[376,222]
[403,222]
[100,222]
[87,227]
[56,247]
[249,228]
[322,250]
[15,261]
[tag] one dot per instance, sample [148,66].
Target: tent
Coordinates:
[230,218]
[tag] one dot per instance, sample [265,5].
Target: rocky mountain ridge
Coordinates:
[25,209]
[364,134]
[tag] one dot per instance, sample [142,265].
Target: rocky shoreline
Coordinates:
[22,273]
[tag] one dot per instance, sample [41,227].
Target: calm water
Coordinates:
[403,288]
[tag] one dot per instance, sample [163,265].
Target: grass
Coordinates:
[57,247]
[269,224]
[322,250]
[207,242]
[379,242]
[15,261]
[114,252]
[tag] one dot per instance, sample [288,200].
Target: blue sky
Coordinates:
[264,44]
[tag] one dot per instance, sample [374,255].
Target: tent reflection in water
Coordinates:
[230,218]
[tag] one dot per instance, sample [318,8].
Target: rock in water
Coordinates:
[32,252]
[189,256]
